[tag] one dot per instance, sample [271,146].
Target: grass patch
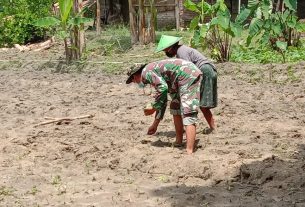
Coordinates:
[5,191]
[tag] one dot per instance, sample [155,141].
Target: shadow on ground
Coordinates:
[270,182]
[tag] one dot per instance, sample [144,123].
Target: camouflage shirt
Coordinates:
[169,76]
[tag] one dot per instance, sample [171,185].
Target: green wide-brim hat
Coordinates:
[167,41]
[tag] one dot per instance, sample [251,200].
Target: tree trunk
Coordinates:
[132,23]
[142,31]
[152,23]
[67,51]
[177,15]
[98,17]
[141,26]
[78,34]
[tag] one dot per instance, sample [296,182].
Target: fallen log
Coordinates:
[36,46]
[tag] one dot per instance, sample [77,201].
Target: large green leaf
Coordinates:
[265,38]
[204,30]
[277,29]
[236,29]
[243,16]
[221,5]
[224,22]
[65,7]
[191,6]
[266,10]
[214,21]
[255,26]
[268,24]
[300,27]
[249,40]
[77,21]
[204,6]
[252,3]
[292,22]
[284,16]
[195,42]
[291,4]
[281,45]
[194,23]
[46,22]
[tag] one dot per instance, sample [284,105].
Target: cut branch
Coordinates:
[55,120]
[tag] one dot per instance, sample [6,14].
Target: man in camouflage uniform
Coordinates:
[208,91]
[181,79]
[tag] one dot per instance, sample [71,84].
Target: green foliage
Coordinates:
[33,191]
[6,191]
[115,40]
[70,24]
[67,20]
[65,7]
[274,25]
[291,76]
[16,21]
[282,47]
[266,54]
[56,180]
[219,32]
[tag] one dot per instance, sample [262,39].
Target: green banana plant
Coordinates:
[65,25]
[217,34]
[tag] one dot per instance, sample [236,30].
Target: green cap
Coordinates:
[167,41]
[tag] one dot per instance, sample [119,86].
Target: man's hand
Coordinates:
[152,129]
[148,112]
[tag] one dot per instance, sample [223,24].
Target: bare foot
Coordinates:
[207,130]
[177,144]
[189,151]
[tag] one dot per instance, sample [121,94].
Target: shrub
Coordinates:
[16,21]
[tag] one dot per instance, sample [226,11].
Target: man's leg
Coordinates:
[208,116]
[179,128]
[190,131]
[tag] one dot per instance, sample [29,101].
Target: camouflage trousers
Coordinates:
[186,101]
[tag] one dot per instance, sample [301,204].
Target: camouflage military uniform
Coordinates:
[181,79]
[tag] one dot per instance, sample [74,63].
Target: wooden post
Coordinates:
[141,26]
[81,32]
[177,14]
[98,17]
[152,22]
[132,23]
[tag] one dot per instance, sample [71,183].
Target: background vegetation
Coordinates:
[257,35]
[17,17]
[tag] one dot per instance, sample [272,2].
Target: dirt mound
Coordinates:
[274,172]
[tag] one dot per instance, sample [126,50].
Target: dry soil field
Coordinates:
[255,158]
